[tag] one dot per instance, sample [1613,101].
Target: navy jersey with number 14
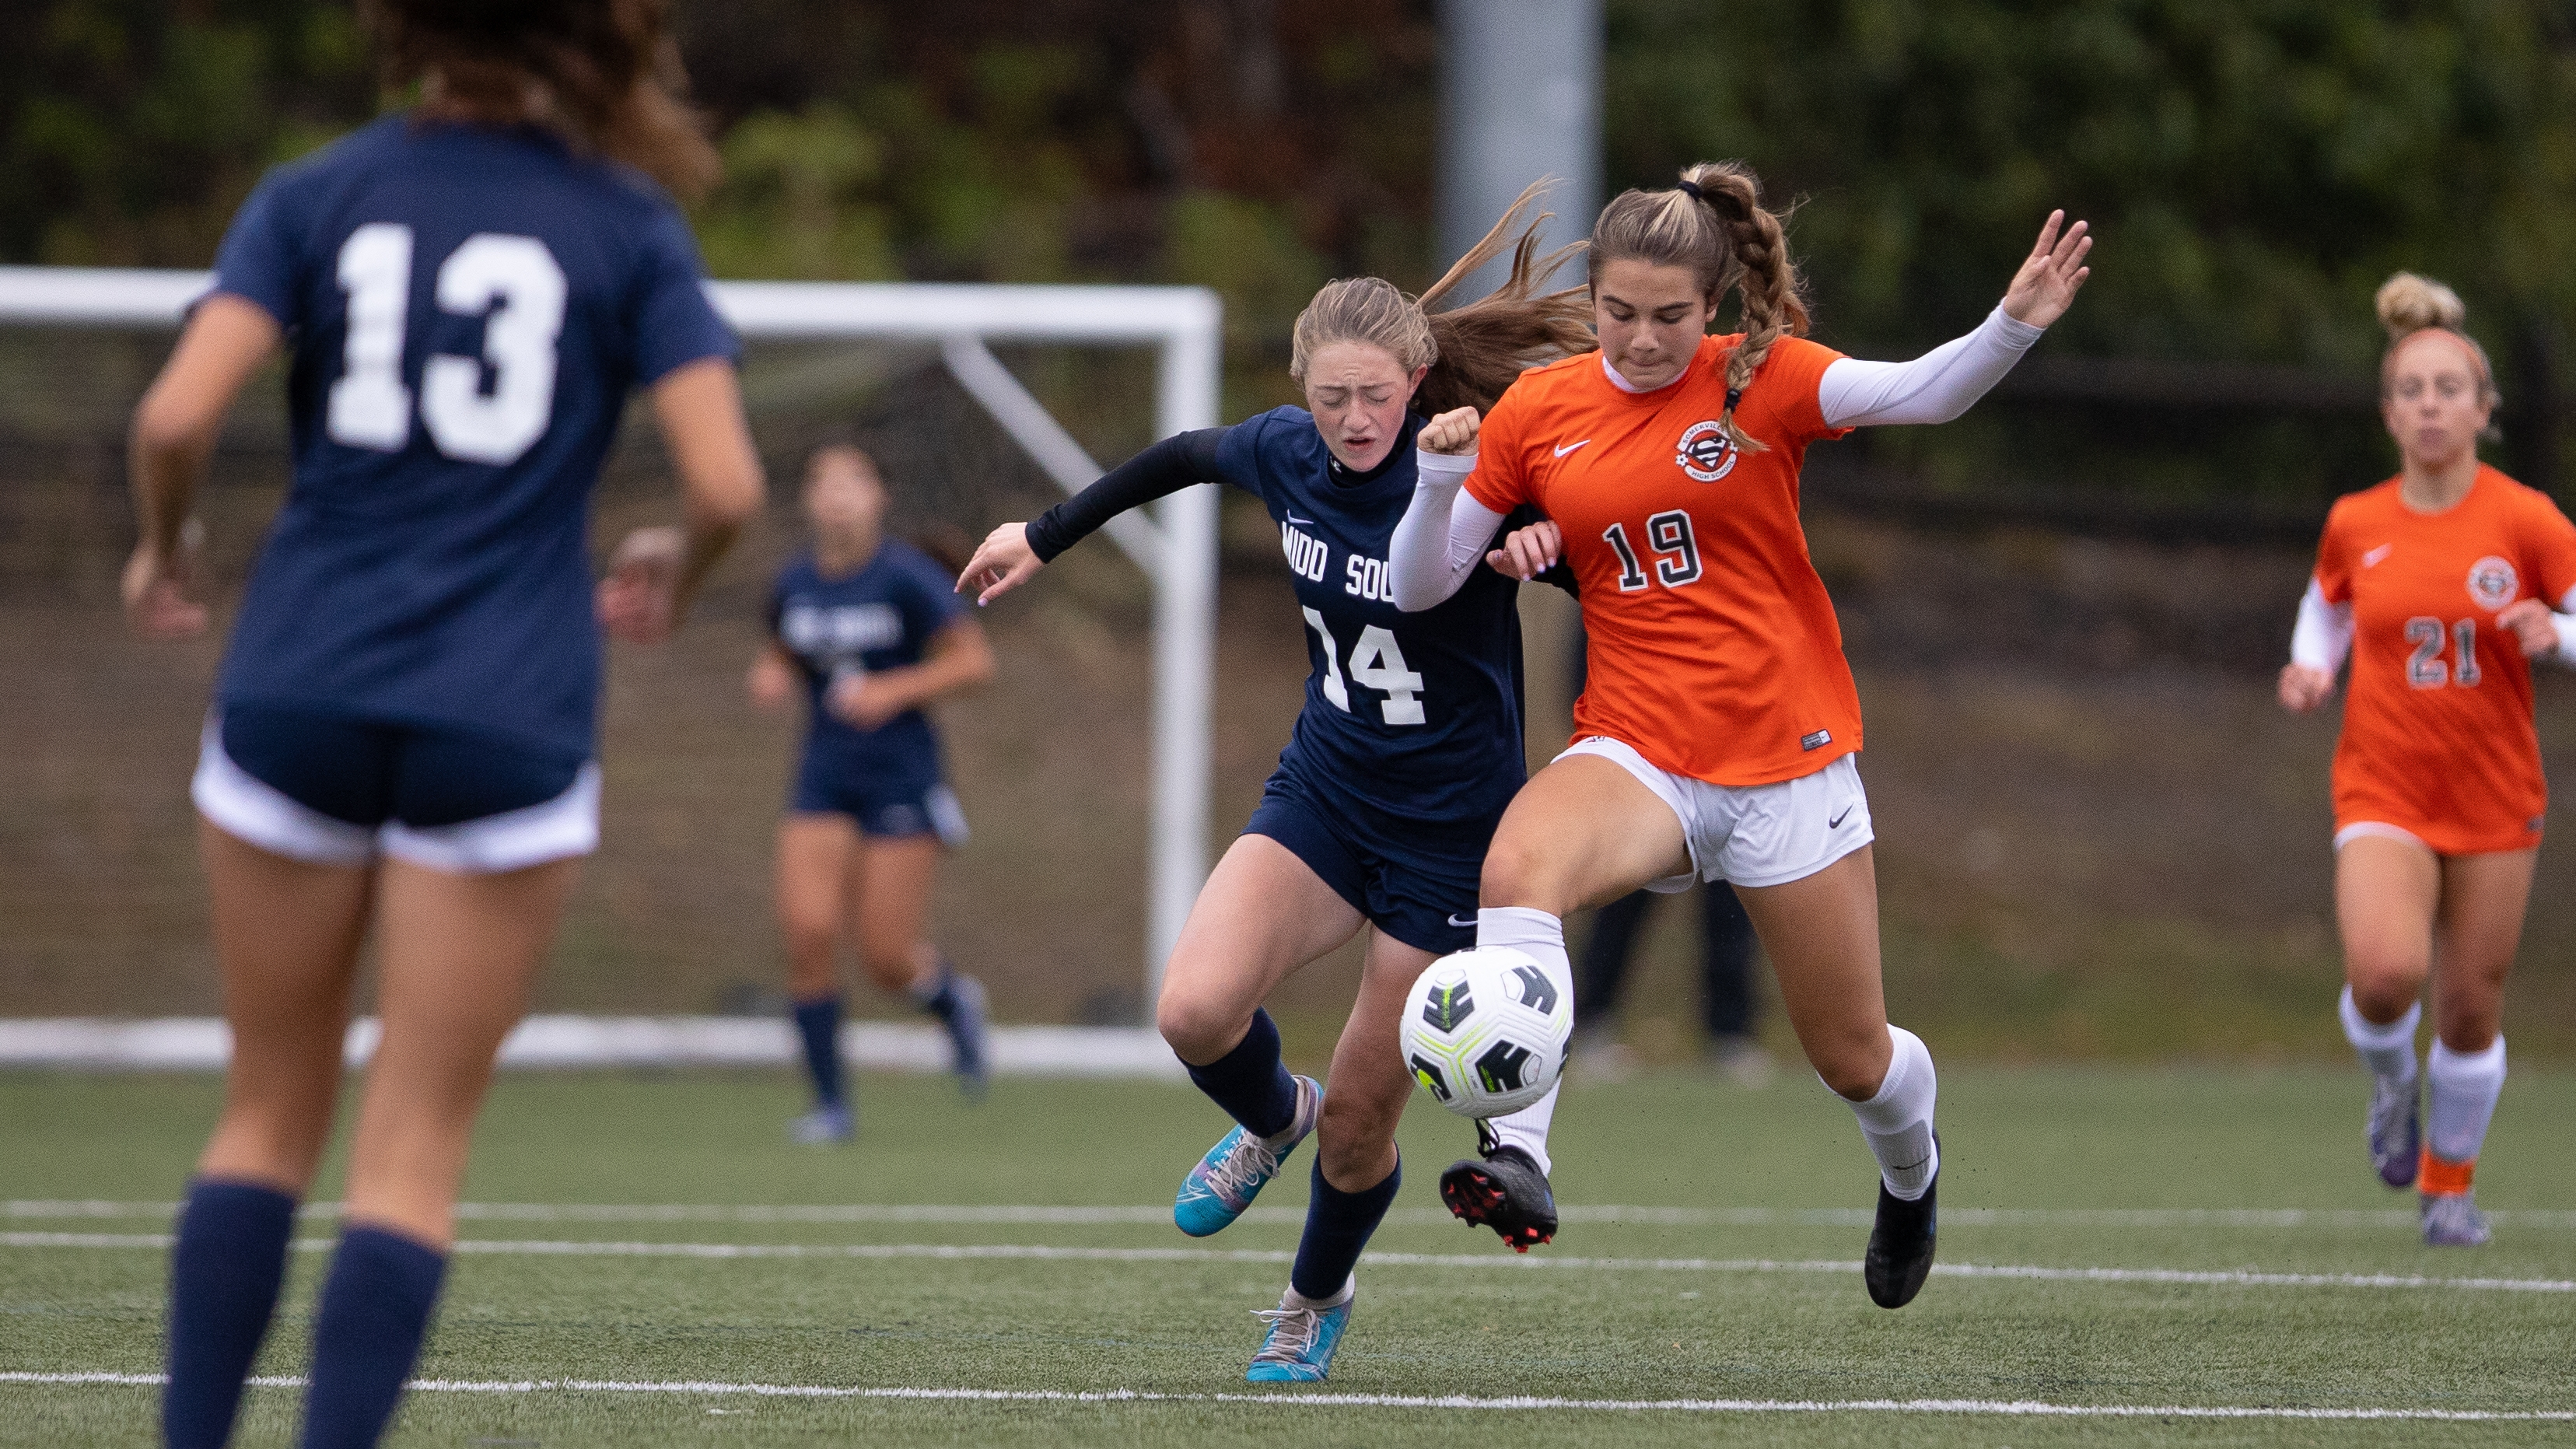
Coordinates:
[1411,731]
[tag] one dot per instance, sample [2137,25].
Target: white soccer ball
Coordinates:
[1485,1031]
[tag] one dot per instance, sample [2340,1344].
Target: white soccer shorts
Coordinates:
[1752,835]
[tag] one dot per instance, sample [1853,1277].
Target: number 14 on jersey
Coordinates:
[1376,663]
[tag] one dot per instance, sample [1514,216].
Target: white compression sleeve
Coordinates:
[1443,534]
[2388,1050]
[1933,388]
[2323,635]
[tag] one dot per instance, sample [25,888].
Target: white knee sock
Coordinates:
[1542,937]
[2389,1051]
[1897,1123]
[2465,1088]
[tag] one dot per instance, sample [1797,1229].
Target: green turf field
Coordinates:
[787,1270]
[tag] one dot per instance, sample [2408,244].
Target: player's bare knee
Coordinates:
[2384,984]
[1198,1028]
[889,964]
[1517,873]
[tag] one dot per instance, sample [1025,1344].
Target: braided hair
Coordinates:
[1714,223]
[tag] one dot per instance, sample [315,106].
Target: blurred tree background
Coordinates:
[2253,167]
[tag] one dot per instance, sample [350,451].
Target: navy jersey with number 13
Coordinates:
[468,310]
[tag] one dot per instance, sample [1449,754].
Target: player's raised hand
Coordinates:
[2046,284]
[1002,562]
[1528,552]
[2529,622]
[1452,432]
[2304,687]
[639,600]
[156,588]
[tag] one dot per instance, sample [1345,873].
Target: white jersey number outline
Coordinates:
[370,407]
[1376,662]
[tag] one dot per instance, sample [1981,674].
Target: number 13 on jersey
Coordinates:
[1377,663]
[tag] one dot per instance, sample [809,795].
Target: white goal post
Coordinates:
[1176,547]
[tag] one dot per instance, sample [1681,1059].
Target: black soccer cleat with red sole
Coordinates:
[1506,1192]
[1901,1244]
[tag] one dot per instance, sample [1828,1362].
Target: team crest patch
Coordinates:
[2493,583]
[1705,451]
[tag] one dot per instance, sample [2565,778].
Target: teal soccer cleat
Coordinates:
[1235,1170]
[1299,1348]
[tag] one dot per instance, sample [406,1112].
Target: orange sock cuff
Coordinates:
[2437,1177]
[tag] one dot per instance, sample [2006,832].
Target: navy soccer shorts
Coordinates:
[895,803]
[1426,899]
[334,790]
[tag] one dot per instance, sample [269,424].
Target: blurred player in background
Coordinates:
[404,729]
[1401,762]
[870,627]
[2439,583]
[1716,734]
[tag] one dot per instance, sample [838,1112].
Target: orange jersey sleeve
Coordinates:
[1501,479]
[2334,566]
[2548,548]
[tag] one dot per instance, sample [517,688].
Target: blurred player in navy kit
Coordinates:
[872,630]
[403,733]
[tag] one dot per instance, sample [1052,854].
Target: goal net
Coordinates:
[1084,767]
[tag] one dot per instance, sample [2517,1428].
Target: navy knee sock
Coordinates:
[375,1311]
[818,1023]
[225,1271]
[1249,1082]
[1338,1225]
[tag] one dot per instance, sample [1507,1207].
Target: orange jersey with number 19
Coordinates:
[2437,728]
[1713,647]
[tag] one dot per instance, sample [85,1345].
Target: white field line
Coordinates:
[2008,1408]
[1674,1217]
[541,1248]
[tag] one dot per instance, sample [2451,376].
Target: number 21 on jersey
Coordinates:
[1377,663]
[370,407]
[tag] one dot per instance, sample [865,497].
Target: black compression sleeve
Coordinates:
[1165,468]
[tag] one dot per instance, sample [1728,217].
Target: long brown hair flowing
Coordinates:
[605,73]
[1473,351]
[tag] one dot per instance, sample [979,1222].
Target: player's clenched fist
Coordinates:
[1452,432]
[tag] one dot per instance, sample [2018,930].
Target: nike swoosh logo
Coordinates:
[1915,1166]
[1462,925]
[2376,554]
[1293,518]
[1837,822]
[1570,447]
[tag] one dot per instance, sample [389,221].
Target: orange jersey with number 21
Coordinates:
[2437,729]
[1713,648]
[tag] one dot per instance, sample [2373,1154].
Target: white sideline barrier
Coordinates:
[204,1044]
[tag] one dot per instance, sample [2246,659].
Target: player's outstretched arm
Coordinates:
[1012,554]
[175,427]
[1943,383]
[656,572]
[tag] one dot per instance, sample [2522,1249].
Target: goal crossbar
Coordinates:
[1176,548]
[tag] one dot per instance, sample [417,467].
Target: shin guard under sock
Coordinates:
[1338,1225]
[1897,1122]
[367,1335]
[225,1272]
[1250,1083]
